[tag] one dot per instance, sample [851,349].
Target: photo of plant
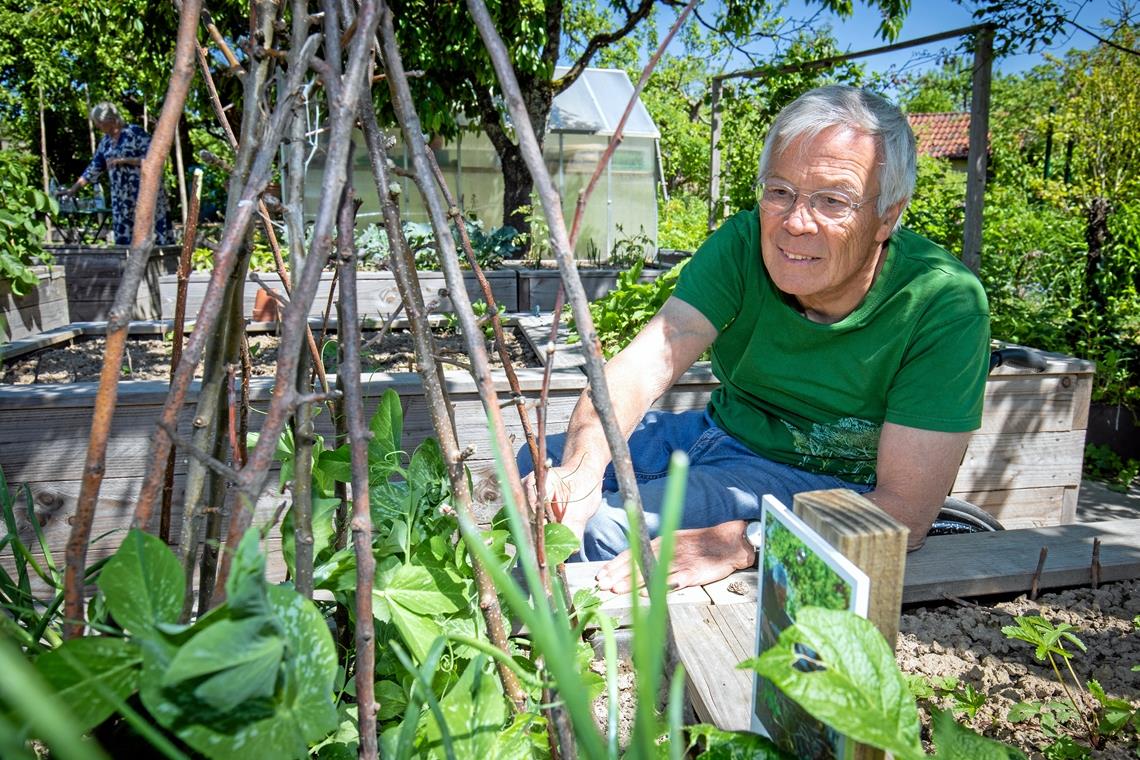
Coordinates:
[798,569]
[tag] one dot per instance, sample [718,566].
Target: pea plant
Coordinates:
[1111,715]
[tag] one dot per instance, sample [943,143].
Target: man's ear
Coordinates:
[888,221]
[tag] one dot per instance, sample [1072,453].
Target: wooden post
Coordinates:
[873,540]
[714,151]
[979,144]
[44,164]
[876,543]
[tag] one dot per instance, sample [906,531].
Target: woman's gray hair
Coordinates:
[105,112]
[843,106]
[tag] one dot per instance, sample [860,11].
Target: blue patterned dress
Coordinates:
[132,142]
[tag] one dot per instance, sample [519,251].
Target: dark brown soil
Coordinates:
[149,358]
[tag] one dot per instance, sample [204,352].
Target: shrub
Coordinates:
[23,214]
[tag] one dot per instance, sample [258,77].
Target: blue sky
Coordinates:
[927,17]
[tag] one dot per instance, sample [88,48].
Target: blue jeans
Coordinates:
[726,479]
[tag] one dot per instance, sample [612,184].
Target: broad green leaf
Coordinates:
[73,668]
[299,713]
[245,586]
[560,543]
[427,472]
[387,426]
[859,691]
[229,662]
[336,464]
[956,742]
[391,698]
[324,528]
[421,590]
[475,711]
[417,631]
[143,584]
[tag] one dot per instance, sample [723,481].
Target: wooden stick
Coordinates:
[190,233]
[1095,569]
[1037,573]
[142,242]
[358,433]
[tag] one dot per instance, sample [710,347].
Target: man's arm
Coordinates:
[636,377]
[914,472]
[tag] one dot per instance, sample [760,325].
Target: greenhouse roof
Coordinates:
[594,105]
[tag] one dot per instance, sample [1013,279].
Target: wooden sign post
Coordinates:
[876,543]
[873,540]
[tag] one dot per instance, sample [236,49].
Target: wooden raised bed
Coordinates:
[44,308]
[1024,465]
[93,276]
[377,294]
[538,288]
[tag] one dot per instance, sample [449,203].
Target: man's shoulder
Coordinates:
[923,256]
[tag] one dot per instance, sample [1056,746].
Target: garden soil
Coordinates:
[149,359]
[965,642]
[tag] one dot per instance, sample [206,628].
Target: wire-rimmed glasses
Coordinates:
[831,205]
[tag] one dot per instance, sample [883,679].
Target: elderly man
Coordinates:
[851,353]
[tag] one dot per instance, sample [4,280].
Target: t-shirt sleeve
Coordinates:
[942,380]
[713,279]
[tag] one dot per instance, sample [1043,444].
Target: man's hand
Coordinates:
[574,496]
[702,555]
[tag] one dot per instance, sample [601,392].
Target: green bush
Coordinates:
[682,222]
[23,214]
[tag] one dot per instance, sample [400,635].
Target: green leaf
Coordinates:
[475,711]
[143,584]
[324,528]
[417,631]
[73,668]
[956,742]
[245,586]
[560,543]
[299,712]
[859,691]
[422,590]
[229,662]
[336,464]
[387,426]
[733,745]
[391,698]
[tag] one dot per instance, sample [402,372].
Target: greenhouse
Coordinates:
[582,120]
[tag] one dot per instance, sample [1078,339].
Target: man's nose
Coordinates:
[800,219]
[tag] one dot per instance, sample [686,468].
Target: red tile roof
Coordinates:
[941,135]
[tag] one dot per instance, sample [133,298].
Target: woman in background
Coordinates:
[120,154]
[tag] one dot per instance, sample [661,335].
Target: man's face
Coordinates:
[828,266]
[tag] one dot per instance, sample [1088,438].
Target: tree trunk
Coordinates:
[517,187]
[1096,235]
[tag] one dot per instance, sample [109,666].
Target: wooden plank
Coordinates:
[1020,507]
[1022,460]
[738,588]
[1082,399]
[537,332]
[874,542]
[1030,403]
[1069,504]
[1004,562]
[711,641]
[45,339]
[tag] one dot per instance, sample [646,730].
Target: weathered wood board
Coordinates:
[43,308]
[377,293]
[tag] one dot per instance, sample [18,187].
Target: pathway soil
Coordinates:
[149,359]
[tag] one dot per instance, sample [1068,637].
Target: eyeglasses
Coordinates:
[831,205]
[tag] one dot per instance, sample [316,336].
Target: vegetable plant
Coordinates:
[24,210]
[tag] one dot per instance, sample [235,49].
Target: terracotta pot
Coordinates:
[265,307]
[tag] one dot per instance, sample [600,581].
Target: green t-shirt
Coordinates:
[914,352]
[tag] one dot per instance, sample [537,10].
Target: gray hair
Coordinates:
[843,106]
[106,112]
